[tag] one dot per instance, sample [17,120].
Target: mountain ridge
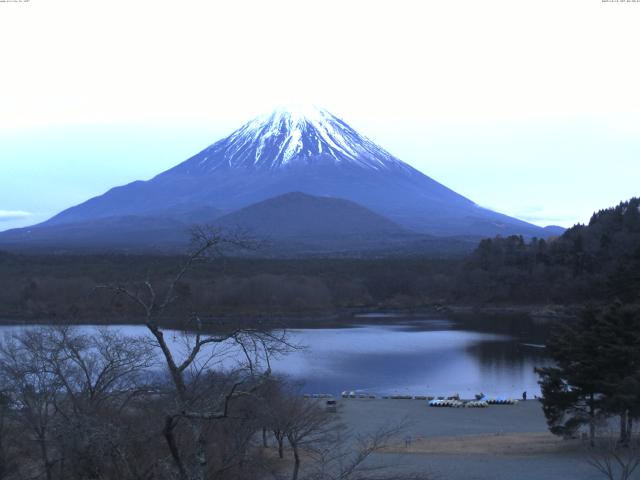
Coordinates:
[315,153]
[314,217]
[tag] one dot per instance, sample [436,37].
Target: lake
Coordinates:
[400,355]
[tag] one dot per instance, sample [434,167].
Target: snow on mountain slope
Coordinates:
[292,136]
[305,150]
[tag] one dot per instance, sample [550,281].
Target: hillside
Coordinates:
[309,151]
[587,263]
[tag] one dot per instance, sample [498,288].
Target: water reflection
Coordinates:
[415,356]
[425,357]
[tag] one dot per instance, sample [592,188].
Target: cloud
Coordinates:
[536,214]
[545,219]
[6,215]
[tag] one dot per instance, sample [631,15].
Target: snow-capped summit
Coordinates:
[298,135]
[305,150]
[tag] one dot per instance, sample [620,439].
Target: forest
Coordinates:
[97,404]
[87,400]
[587,264]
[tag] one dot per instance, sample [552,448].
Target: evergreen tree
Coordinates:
[597,372]
[570,390]
[618,329]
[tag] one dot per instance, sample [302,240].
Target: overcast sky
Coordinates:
[531,108]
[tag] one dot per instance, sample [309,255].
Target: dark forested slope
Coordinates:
[587,263]
[594,263]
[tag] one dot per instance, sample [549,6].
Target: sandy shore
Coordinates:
[495,443]
[488,444]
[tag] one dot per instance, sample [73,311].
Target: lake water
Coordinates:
[409,356]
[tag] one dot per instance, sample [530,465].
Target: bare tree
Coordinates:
[33,390]
[345,455]
[614,460]
[307,423]
[330,450]
[190,405]
[97,406]
[275,413]
[100,371]
[70,389]
[8,454]
[95,368]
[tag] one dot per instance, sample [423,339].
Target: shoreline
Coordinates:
[500,442]
[346,317]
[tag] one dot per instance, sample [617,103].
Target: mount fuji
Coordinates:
[308,151]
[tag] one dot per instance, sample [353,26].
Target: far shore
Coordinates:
[320,319]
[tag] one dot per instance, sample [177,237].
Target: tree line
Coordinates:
[78,403]
[592,262]
[587,263]
[595,382]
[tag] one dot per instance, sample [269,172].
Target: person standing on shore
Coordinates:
[524,395]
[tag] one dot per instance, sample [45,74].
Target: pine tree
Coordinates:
[570,390]
[597,372]
[618,328]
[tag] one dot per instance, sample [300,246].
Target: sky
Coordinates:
[530,108]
